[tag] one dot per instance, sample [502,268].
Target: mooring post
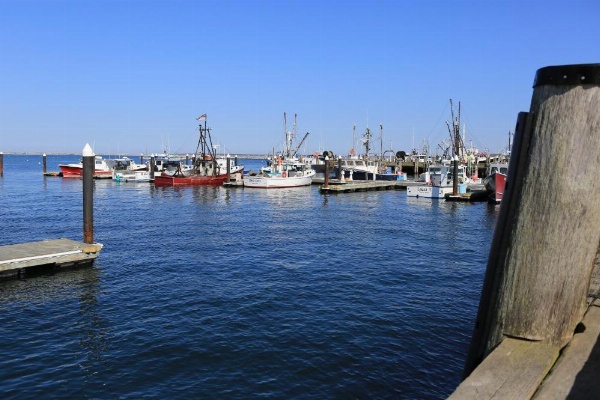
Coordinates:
[44,163]
[340,171]
[228,179]
[1,163]
[236,161]
[151,166]
[455,175]
[141,158]
[548,229]
[88,194]
[326,179]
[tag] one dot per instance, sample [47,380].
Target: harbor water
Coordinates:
[233,293]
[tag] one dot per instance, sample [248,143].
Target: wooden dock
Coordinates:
[17,258]
[336,186]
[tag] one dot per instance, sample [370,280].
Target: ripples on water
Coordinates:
[239,293]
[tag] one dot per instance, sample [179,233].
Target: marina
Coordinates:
[202,281]
[536,329]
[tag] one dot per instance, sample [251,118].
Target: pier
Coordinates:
[17,259]
[335,186]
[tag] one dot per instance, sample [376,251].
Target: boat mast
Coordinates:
[205,152]
[353,139]
[367,142]
[381,141]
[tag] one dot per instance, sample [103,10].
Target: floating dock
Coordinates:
[57,253]
[364,186]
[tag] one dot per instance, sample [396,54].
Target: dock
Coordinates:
[476,193]
[16,259]
[336,186]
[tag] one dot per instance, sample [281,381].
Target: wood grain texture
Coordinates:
[555,234]
[514,370]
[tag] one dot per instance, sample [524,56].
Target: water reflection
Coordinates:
[45,291]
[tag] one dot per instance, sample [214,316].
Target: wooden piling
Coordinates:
[88,194]
[548,229]
[455,175]
[152,166]
[44,163]
[326,177]
[228,179]
[1,163]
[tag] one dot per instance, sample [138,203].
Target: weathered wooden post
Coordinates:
[44,163]
[548,229]
[152,166]
[88,194]
[340,170]
[1,163]
[455,175]
[141,158]
[228,179]
[326,179]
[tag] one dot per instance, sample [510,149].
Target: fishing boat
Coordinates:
[205,170]
[286,174]
[495,181]
[284,171]
[102,169]
[126,170]
[441,177]
[438,186]
[170,164]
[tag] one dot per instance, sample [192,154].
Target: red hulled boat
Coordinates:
[207,170]
[75,170]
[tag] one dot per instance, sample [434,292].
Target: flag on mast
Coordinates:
[201,118]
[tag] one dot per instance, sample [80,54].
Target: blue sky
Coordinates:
[130,77]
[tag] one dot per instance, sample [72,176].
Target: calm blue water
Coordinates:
[239,293]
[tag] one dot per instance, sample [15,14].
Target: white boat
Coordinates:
[438,186]
[101,169]
[126,170]
[286,174]
[288,171]
[170,164]
[131,176]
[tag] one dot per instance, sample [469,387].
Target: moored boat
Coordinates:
[438,186]
[495,181]
[206,169]
[287,171]
[102,169]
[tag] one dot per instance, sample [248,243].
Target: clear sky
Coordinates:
[130,77]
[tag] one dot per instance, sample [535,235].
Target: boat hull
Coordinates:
[276,182]
[190,180]
[74,171]
[429,192]
[495,185]
[131,176]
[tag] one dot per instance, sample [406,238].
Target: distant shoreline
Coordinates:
[16,153]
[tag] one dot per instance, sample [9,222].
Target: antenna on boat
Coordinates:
[381,140]
[353,139]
